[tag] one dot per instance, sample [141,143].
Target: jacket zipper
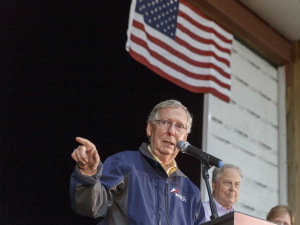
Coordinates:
[159,222]
[166,201]
[157,207]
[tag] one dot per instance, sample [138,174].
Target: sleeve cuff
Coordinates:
[89,179]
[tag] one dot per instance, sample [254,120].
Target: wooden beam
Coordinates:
[248,28]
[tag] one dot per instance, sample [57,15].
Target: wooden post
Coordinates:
[293,133]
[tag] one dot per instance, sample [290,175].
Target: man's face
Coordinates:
[163,141]
[226,190]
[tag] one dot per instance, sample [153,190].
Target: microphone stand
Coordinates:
[205,175]
[206,165]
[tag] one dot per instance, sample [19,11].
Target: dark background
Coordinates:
[65,73]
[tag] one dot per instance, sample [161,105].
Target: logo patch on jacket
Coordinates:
[178,195]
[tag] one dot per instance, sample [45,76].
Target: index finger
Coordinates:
[85,142]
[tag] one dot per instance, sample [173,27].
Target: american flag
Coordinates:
[179,43]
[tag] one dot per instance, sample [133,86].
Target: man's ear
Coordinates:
[185,137]
[148,129]
[213,185]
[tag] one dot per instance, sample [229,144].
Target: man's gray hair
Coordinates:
[173,104]
[217,171]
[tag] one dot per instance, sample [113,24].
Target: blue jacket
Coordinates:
[131,187]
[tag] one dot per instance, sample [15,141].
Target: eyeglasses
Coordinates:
[166,124]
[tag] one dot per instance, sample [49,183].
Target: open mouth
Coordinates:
[169,143]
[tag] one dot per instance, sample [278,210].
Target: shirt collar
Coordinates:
[172,168]
[221,207]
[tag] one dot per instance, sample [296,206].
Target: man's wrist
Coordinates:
[88,171]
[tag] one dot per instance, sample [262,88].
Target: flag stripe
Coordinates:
[193,13]
[155,55]
[195,45]
[196,31]
[189,45]
[176,74]
[201,88]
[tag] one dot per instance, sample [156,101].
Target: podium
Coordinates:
[237,218]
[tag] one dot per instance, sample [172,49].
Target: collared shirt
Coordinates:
[220,209]
[172,168]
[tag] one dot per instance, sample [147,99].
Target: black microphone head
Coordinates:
[182,145]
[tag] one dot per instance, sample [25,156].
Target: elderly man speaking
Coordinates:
[139,187]
[226,183]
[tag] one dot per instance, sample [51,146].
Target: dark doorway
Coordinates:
[65,73]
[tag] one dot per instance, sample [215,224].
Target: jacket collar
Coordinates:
[145,152]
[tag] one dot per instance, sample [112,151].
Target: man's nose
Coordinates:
[232,187]
[172,129]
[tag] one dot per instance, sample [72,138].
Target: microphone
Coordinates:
[204,157]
